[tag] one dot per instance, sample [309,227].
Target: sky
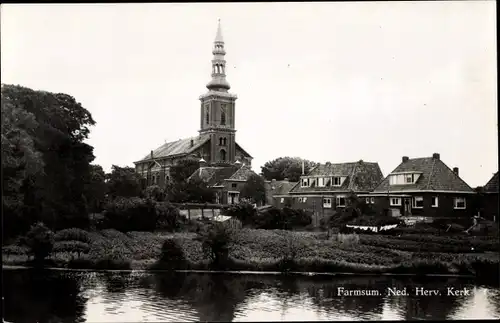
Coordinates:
[338,82]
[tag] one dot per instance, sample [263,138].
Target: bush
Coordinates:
[40,241]
[130,214]
[244,211]
[376,221]
[172,256]
[168,217]
[15,250]
[72,246]
[72,234]
[216,241]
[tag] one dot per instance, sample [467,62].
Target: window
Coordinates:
[337,181]
[327,202]
[435,201]
[234,185]
[367,200]
[222,155]
[340,201]
[304,199]
[300,199]
[409,178]
[372,200]
[223,114]
[207,115]
[403,179]
[418,202]
[459,203]
[395,201]
[305,182]
[153,180]
[282,200]
[321,182]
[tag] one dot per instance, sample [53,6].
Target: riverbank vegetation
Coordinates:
[219,247]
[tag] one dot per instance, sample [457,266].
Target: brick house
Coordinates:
[327,186]
[489,200]
[216,142]
[277,191]
[227,182]
[424,187]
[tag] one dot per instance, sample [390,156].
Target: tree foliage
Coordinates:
[45,161]
[123,182]
[40,240]
[184,168]
[96,188]
[286,167]
[254,189]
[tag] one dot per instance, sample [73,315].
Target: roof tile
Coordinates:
[492,185]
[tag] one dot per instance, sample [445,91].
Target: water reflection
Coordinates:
[131,297]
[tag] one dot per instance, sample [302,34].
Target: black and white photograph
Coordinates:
[249,161]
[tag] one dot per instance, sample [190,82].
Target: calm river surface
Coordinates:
[63,296]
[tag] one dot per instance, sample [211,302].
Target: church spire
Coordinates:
[218,82]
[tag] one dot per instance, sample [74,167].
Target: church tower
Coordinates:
[217,109]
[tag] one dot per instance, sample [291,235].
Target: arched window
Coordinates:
[220,141]
[207,116]
[222,155]
[222,117]
[224,141]
[153,180]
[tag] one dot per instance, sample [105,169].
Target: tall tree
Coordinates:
[56,194]
[123,182]
[254,189]
[96,188]
[184,168]
[286,167]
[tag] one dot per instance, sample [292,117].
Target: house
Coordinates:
[489,200]
[226,181]
[424,187]
[277,191]
[216,141]
[327,186]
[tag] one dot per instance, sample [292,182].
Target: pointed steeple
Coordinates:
[218,82]
[218,37]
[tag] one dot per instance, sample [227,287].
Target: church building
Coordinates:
[215,146]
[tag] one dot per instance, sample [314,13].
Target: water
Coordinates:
[63,296]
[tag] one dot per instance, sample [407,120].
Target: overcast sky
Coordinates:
[323,81]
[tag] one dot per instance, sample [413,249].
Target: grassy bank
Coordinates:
[276,250]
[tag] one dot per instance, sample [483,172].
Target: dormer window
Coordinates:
[403,178]
[304,182]
[337,181]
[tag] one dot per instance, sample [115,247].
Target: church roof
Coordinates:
[213,175]
[179,147]
[242,174]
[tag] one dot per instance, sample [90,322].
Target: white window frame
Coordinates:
[395,201]
[410,177]
[435,199]
[414,202]
[282,200]
[304,182]
[372,200]
[337,201]
[333,181]
[304,199]
[321,182]
[327,202]
[456,207]
[367,200]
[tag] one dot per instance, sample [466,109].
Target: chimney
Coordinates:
[455,170]
[151,154]
[192,142]
[435,156]
[405,159]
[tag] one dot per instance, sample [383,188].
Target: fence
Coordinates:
[196,210]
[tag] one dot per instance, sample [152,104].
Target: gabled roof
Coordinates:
[435,176]
[242,174]
[179,147]
[492,185]
[360,177]
[281,187]
[243,150]
[213,175]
